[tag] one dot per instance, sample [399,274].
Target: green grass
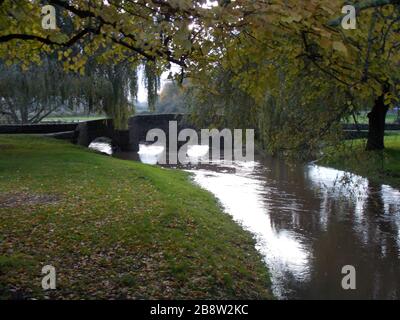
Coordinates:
[362,118]
[120,229]
[72,118]
[379,166]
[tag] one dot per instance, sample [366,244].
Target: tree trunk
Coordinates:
[377,119]
[23,109]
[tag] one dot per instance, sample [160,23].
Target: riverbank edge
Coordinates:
[380,167]
[157,235]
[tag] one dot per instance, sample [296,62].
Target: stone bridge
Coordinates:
[84,133]
[128,140]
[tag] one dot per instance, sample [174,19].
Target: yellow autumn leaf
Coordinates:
[339,46]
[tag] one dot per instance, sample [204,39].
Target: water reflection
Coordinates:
[102,147]
[337,217]
[197,151]
[150,154]
[242,195]
[310,221]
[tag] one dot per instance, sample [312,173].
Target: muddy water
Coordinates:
[309,222]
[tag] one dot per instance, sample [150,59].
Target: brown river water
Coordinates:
[309,221]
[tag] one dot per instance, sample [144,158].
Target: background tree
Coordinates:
[152,83]
[31,95]
[173,98]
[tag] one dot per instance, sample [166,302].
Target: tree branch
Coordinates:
[47,40]
[88,14]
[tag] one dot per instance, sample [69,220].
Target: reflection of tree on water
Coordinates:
[341,220]
[290,194]
[382,231]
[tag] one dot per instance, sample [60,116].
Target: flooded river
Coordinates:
[309,222]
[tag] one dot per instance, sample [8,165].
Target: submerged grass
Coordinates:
[119,229]
[379,166]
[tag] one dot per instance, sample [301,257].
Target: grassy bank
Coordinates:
[379,166]
[72,118]
[362,118]
[115,229]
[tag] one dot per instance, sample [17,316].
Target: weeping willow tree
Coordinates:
[28,96]
[218,101]
[173,97]
[113,89]
[293,116]
[152,83]
[296,116]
